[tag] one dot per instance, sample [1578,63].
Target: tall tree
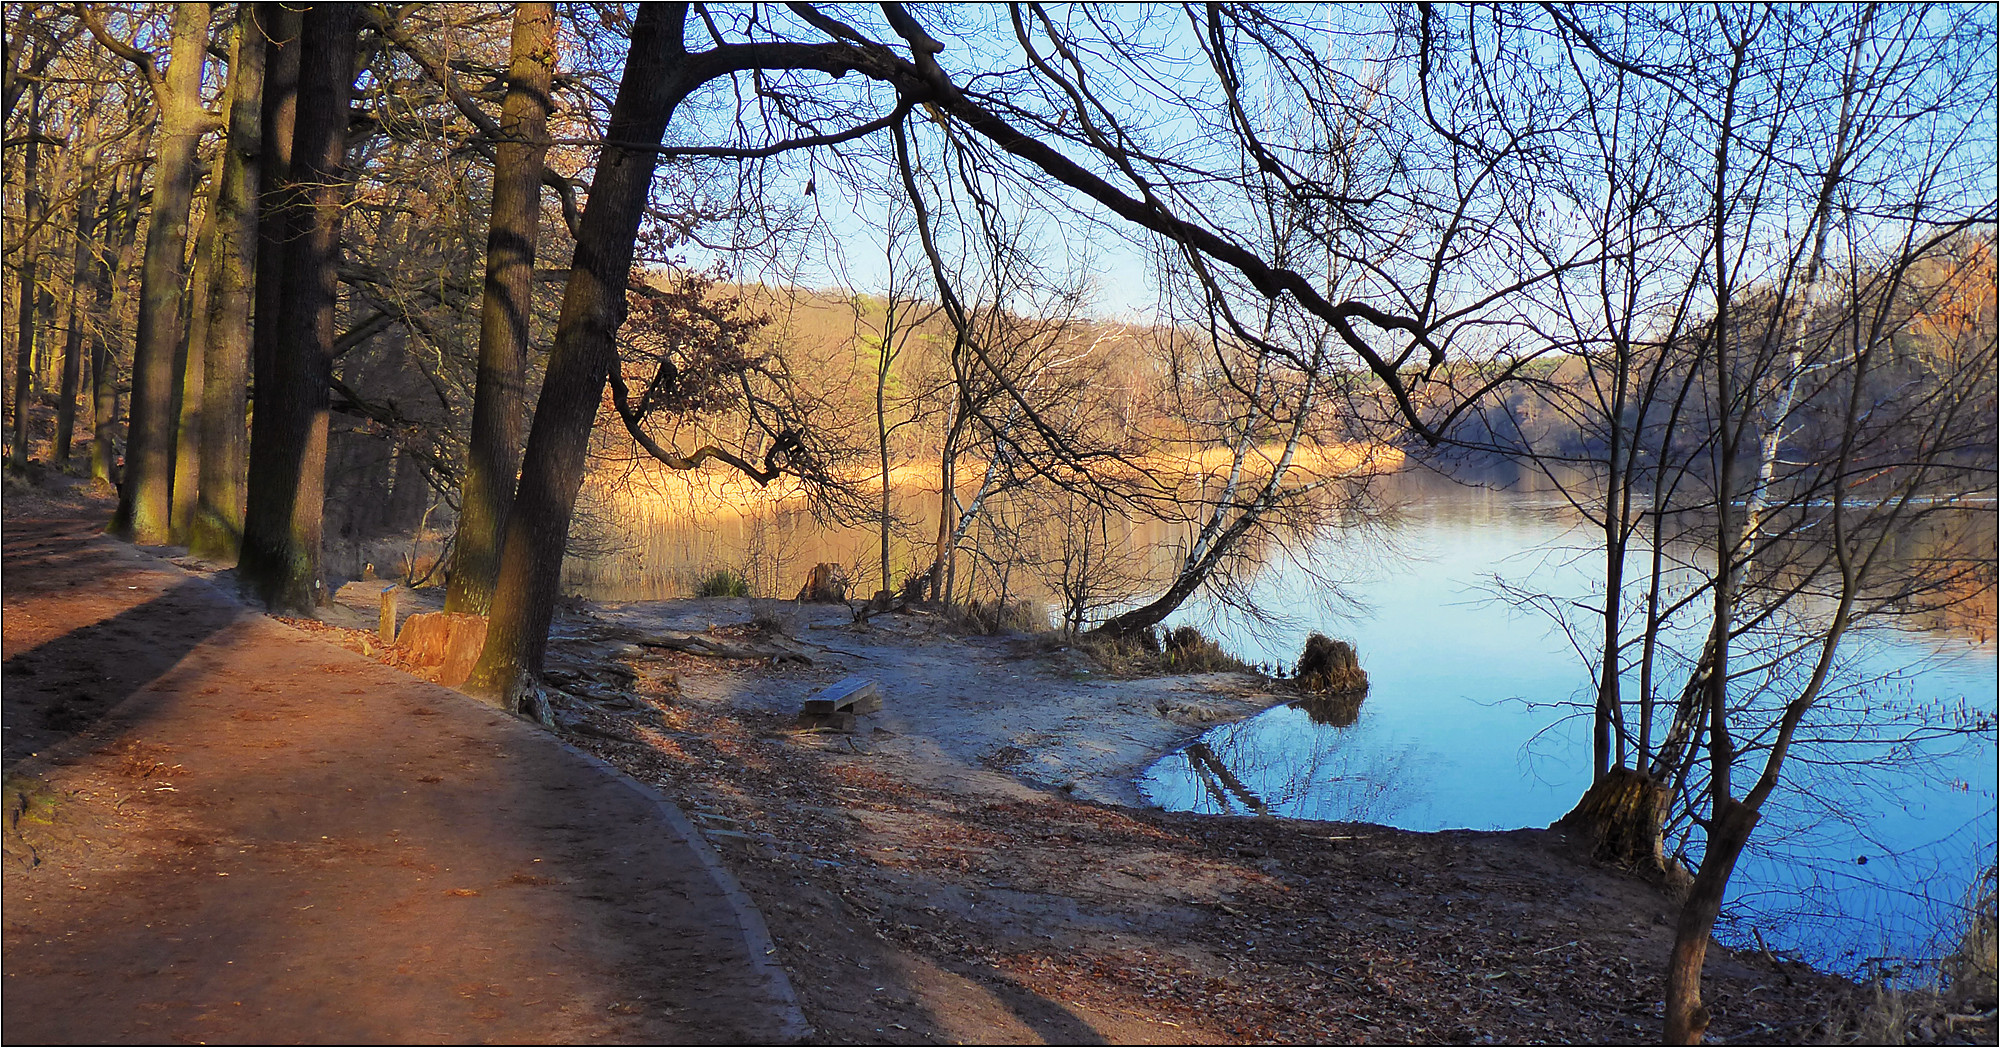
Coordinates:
[280,220]
[1758,411]
[188,369]
[81,285]
[217,526]
[143,499]
[115,261]
[500,397]
[30,278]
[279,562]
[656,80]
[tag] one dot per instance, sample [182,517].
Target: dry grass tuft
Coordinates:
[1329,666]
[1147,654]
[997,618]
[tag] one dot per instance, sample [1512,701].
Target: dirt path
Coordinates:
[272,839]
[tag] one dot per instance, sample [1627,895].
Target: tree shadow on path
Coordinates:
[90,622]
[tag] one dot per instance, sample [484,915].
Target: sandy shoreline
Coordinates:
[1051,719]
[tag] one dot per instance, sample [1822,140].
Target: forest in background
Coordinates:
[302,283]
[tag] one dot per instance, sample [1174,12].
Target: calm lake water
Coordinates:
[1865,853]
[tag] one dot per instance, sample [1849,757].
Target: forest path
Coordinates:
[222,829]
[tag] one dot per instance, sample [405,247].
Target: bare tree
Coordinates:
[1067,110]
[583,354]
[1715,388]
[281,534]
[217,526]
[143,506]
[500,399]
[30,280]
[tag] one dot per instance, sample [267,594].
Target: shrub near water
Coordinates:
[1187,650]
[723,583]
[1330,666]
[997,617]
[1972,971]
[1146,653]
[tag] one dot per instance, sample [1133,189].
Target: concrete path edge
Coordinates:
[793,1027]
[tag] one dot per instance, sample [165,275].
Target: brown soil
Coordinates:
[985,912]
[271,839]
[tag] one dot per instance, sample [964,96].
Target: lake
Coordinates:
[1865,852]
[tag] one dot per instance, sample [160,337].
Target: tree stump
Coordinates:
[447,640]
[826,584]
[1620,815]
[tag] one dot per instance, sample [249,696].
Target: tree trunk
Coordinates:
[30,278]
[80,283]
[1184,585]
[1621,814]
[217,528]
[1605,717]
[188,371]
[103,363]
[287,483]
[499,400]
[279,222]
[143,506]
[1729,822]
[885,357]
[582,356]
[1687,1018]
[941,550]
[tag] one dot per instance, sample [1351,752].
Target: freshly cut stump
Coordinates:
[447,640]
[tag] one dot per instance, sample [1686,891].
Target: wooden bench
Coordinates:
[836,705]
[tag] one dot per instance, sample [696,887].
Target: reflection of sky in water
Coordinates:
[1442,742]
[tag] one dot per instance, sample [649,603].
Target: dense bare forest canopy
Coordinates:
[302,282]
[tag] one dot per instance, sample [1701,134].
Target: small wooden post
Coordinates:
[387,628]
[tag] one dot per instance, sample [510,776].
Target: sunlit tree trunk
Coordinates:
[582,356]
[885,359]
[188,371]
[103,361]
[944,562]
[217,527]
[1687,1017]
[30,279]
[81,280]
[281,534]
[144,508]
[1223,532]
[500,398]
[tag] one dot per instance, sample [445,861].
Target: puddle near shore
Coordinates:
[1865,852]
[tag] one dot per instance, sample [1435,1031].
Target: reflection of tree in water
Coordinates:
[1314,774]
[1221,782]
[1338,711]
